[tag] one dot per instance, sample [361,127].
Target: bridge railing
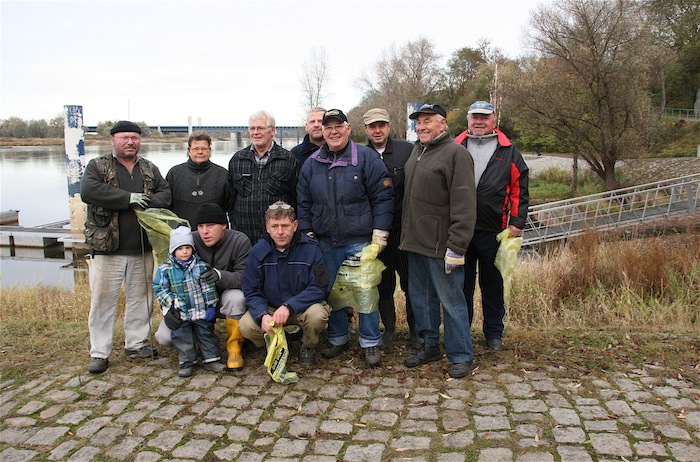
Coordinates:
[614,209]
[681,113]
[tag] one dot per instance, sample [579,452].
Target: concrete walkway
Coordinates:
[342,410]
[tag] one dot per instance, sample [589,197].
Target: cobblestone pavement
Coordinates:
[341,410]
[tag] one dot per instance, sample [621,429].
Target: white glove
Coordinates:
[380,236]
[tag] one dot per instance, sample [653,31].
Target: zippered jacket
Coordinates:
[502,196]
[194,184]
[395,157]
[172,281]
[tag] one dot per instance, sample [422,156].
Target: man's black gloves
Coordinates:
[211,275]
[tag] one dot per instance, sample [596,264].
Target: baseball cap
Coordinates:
[334,114]
[481,107]
[375,115]
[428,109]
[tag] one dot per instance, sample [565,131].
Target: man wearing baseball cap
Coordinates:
[439,212]
[345,198]
[502,199]
[394,153]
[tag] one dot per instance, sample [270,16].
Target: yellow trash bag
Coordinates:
[506,259]
[158,223]
[277,354]
[357,280]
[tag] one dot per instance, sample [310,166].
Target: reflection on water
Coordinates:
[33,180]
[51,266]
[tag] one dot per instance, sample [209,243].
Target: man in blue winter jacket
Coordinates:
[285,283]
[345,199]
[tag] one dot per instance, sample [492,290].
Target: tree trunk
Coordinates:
[574,178]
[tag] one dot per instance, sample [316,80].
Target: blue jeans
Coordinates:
[429,287]
[192,335]
[338,321]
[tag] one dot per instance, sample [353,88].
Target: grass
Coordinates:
[554,184]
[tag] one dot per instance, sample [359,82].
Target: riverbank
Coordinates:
[90,140]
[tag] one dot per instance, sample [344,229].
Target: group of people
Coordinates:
[267,237]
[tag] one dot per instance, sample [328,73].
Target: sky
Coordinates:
[220,61]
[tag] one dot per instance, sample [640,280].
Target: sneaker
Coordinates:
[213,366]
[495,344]
[373,356]
[307,355]
[459,370]
[427,354]
[142,353]
[334,351]
[185,371]
[387,340]
[98,365]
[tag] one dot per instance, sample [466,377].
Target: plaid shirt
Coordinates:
[173,282]
[254,187]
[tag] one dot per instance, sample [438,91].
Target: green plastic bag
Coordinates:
[357,280]
[158,223]
[277,354]
[506,259]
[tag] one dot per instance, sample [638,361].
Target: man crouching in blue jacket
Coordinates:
[285,282]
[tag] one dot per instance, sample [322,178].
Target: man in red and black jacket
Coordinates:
[502,201]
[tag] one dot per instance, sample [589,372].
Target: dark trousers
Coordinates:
[192,335]
[396,261]
[482,250]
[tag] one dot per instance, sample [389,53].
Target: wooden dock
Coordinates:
[48,235]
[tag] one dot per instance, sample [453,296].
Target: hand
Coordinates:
[210,275]
[172,318]
[139,199]
[265,323]
[453,260]
[514,231]
[379,236]
[210,314]
[281,315]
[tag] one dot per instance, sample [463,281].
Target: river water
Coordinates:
[33,180]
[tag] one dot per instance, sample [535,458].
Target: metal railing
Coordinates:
[681,113]
[613,209]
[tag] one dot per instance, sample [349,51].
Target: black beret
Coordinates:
[125,126]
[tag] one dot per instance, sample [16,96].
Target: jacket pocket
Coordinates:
[243,182]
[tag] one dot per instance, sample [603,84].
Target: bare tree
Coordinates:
[589,84]
[314,79]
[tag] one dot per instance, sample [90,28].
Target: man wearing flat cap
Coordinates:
[225,252]
[345,198]
[394,153]
[112,187]
[502,200]
[439,212]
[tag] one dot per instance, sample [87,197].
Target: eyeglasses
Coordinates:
[200,149]
[258,129]
[330,128]
[280,205]
[124,139]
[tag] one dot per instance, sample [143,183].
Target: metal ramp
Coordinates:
[613,209]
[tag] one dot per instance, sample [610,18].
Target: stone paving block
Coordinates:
[491,395]
[62,450]
[327,447]
[85,454]
[612,444]
[529,430]
[674,432]
[92,426]
[61,396]
[285,447]
[684,452]
[193,449]
[17,455]
[639,396]
[421,412]
[146,428]
[315,407]
[20,422]
[520,390]
[124,449]
[666,392]
[358,391]
[147,456]
[454,420]
[31,407]
[371,453]
[451,457]
[573,454]
[557,400]
[565,416]
[47,436]
[167,412]
[96,387]
[648,448]
[314,458]
[132,417]
[147,405]
[569,435]
[303,427]
[486,423]
[538,456]
[269,426]
[415,426]
[252,416]
[293,399]
[222,414]
[237,433]
[386,404]
[166,440]
[458,440]
[352,405]
[411,442]
[209,430]
[528,405]
[619,408]
[106,436]
[544,385]
[337,427]
[592,412]
[385,419]
[201,408]
[600,425]
[494,410]
[372,435]
[242,402]
[6,407]
[681,404]
[185,397]
[659,417]
[495,455]
[693,419]
[230,452]
[75,417]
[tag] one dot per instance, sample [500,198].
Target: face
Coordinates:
[378,133]
[281,230]
[261,134]
[211,233]
[126,145]
[481,124]
[199,151]
[429,127]
[183,253]
[336,134]
[313,127]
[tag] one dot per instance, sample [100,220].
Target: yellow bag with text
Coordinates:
[506,259]
[277,354]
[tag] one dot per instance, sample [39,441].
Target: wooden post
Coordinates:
[74,137]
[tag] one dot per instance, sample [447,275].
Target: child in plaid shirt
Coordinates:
[188,304]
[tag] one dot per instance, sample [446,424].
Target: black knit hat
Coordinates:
[125,126]
[210,213]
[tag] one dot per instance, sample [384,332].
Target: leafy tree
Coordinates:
[56,127]
[14,127]
[104,127]
[588,83]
